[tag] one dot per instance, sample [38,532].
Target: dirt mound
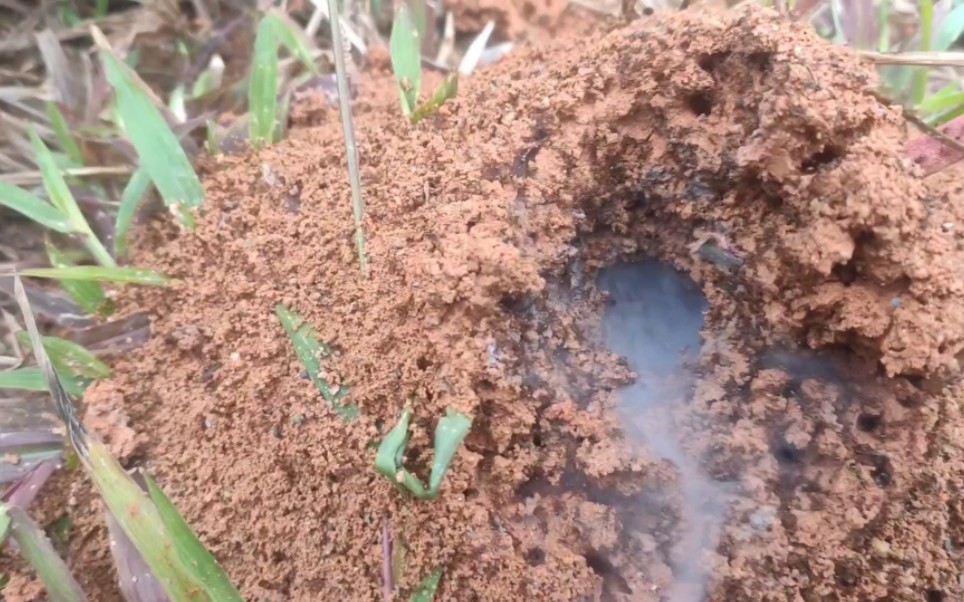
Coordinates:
[736,147]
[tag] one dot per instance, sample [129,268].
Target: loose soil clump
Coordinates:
[822,407]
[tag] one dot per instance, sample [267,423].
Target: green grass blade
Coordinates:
[63,199]
[42,557]
[68,356]
[142,521]
[391,453]
[922,74]
[448,89]
[64,136]
[35,209]
[263,87]
[122,275]
[404,47]
[134,192]
[157,147]
[390,459]
[89,295]
[30,378]
[4,524]
[883,26]
[54,181]
[310,350]
[23,379]
[951,29]
[293,38]
[426,590]
[449,433]
[190,549]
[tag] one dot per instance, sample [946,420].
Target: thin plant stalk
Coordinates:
[351,149]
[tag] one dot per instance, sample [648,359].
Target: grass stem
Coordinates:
[351,149]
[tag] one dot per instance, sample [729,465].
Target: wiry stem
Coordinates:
[344,102]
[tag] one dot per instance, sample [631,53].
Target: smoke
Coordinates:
[654,319]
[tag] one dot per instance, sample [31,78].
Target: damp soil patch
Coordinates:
[740,150]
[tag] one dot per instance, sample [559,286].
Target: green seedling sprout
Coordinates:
[158,148]
[310,350]
[184,569]
[426,590]
[390,459]
[264,86]
[405,51]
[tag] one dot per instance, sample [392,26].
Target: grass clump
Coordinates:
[390,460]
[182,565]
[406,55]
[275,28]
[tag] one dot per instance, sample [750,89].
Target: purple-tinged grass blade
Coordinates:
[25,489]
[137,582]
[29,449]
[388,583]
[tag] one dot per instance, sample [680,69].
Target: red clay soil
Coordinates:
[739,148]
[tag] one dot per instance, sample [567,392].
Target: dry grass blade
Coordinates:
[923,59]
[30,177]
[64,406]
[474,52]
[348,129]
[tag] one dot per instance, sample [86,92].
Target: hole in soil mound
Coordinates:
[653,318]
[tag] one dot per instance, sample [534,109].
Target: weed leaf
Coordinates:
[426,590]
[263,87]
[449,433]
[448,89]
[34,208]
[157,147]
[311,351]
[293,38]
[63,199]
[68,356]
[406,59]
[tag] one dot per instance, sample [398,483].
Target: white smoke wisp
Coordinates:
[654,319]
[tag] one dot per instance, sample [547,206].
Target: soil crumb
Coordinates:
[735,147]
